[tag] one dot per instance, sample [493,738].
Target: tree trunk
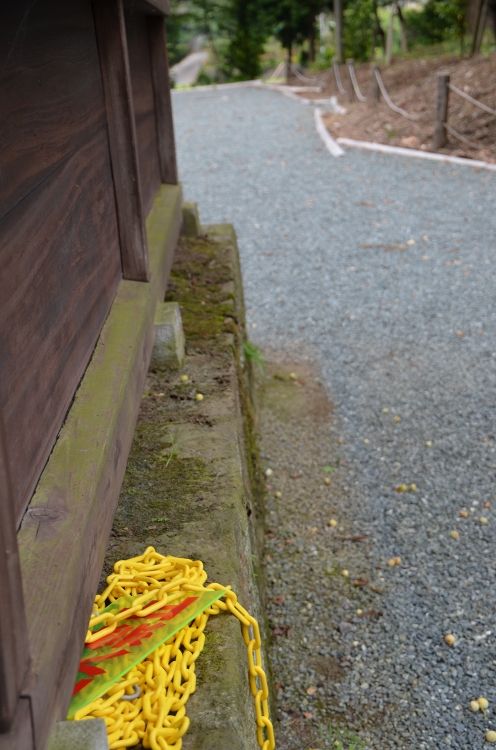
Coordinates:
[403,36]
[389,41]
[288,62]
[311,37]
[378,33]
[338,31]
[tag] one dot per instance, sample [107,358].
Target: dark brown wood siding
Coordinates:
[59,250]
[144,105]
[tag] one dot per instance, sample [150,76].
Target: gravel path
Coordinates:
[380,269]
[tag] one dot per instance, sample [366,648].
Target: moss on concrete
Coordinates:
[192,486]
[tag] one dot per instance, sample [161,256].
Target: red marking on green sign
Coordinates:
[131,642]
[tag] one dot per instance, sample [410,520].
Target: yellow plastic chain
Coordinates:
[166,678]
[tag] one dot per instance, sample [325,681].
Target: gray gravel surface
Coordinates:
[329,275]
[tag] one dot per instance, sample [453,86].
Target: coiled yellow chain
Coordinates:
[166,678]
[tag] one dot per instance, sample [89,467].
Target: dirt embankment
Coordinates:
[411,85]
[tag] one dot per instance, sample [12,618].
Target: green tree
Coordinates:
[359,28]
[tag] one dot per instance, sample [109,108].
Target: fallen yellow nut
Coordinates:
[413,487]
[428,443]
[401,488]
[278,494]
[199,397]
[397,560]
[455,535]
[366,441]
[483,519]
[491,736]
[391,562]
[473,706]
[464,513]
[483,703]
[292,375]
[184,378]
[385,411]
[345,573]
[333,522]
[410,242]
[327,480]
[450,639]
[359,611]
[397,419]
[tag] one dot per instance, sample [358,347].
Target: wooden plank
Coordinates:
[163,104]
[51,103]
[14,652]
[20,736]
[60,261]
[442,100]
[112,45]
[64,534]
[144,105]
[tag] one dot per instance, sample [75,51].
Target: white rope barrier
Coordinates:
[300,76]
[354,81]
[460,137]
[471,99]
[341,89]
[393,106]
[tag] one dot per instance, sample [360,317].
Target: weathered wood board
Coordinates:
[59,244]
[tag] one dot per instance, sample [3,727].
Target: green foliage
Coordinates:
[359,22]
[252,352]
[438,20]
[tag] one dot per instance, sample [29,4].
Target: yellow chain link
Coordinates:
[166,678]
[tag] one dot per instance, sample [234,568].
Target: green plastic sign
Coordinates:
[107,659]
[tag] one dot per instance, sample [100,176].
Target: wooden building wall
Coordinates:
[59,245]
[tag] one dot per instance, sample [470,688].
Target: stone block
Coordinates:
[168,349]
[79,735]
[191,226]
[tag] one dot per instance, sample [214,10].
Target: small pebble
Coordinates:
[449,639]
[464,513]
[455,535]
[199,397]
[397,419]
[487,505]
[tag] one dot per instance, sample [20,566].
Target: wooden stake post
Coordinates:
[351,92]
[440,134]
[374,87]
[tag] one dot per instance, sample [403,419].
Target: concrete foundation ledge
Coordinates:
[79,735]
[192,485]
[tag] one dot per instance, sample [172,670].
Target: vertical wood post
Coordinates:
[374,87]
[162,96]
[440,135]
[14,652]
[480,26]
[351,92]
[338,31]
[114,62]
